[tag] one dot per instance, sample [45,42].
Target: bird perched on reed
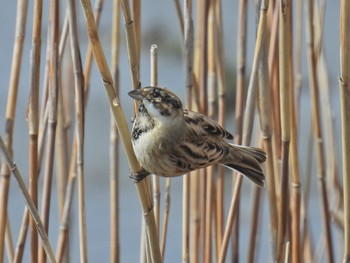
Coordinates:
[171,141]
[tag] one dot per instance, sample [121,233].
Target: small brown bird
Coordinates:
[171,141]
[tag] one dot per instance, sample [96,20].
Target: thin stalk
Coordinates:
[155,178]
[265,110]
[285,108]
[180,16]
[212,97]
[79,109]
[33,120]
[255,210]
[114,141]
[345,117]
[196,182]
[9,242]
[239,111]
[166,216]
[221,120]
[248,124]
[314,90]
[21,18]
[52,119]
[18,257]
[28,201]
[119,115]
[72,174]
[186,197]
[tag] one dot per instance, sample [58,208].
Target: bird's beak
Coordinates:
[136,94]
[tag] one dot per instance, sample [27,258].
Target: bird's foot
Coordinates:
[139,176]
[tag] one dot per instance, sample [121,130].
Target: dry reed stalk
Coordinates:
[345,118]
[333,166]
[255,210]
[274,77]
[298,54]
[294,161]
[79,112]
[266,124]
[285,108]
[180,16]
[166,216]
[64,222]
[21,18]
[155,178]
[33,120]
[119,115]
[239,111]
[114,140]
[203,99]
[136,14]
[9,242]
[27,199]
[256,192]
[221,120]
[212,98]
[62,247]
[18,256]
[186,197]
[52,118]
[314,90]
[248,124]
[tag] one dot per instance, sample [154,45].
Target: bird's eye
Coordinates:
[155,94]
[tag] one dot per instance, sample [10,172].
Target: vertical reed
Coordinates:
[114,141]
[345,118]
[33,120]
[52,119]
[285,104]
[21,18]
[186,197]
[28,201]
[248,124]
[314,90]
[79,114]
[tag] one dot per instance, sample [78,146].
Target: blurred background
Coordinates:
[159,25]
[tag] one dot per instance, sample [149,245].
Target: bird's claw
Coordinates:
[139,176]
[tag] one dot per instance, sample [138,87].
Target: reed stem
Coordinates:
[345,117]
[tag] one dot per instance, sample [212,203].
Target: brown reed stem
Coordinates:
[28,201]
[314,90]
[18,256]
[266,124]
[79,109]
[118,113]
[114,141]
[295,170]
[248,124]
[21,18]
[33,120]
[65,219]
[186,197]
[239,109]
[155,178]
[167,202]
[180,16]
[285,108]
[345,117]
[52,119]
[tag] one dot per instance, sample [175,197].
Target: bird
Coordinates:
[169,140]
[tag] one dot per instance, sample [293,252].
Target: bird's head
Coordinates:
[160,103]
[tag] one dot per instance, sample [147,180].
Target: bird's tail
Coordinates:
[247,161]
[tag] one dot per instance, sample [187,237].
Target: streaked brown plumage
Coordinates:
[171,141]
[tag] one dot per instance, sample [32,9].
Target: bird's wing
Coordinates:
[205,126]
